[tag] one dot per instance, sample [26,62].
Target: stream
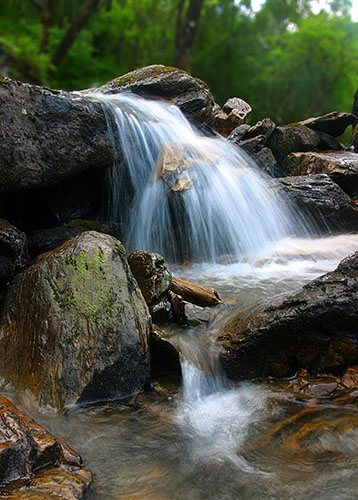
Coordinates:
[211,439]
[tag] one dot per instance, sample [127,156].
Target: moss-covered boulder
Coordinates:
[75,325]
[190,94]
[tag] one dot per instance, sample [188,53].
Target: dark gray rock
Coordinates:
[263,127]
[298,138]
[190,94]
[238,133]
[323,203]
[267,162]
[333,123]
[315,328]
[75,325]
[13,250]
[44,240]
[340,166]
[47,136]
[254,145]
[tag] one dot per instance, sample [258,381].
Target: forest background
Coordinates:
[288,61]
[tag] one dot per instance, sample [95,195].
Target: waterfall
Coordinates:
[182,194]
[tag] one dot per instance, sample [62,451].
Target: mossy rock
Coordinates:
[79,330]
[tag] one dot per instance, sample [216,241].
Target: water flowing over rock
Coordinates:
[190,94]
[29,452]
[75,325]
[314,329]
[185,196]
[340,166]
[325,205]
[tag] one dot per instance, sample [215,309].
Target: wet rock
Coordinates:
[254,145]
[320,200]
[153,276]
[314,329]
[33,462]
[350,377]
[195,294]
[341,167]
[190,94]
[232,115]
[264,127]
[267,162]
[13,250]
[192,314]
[238,133]
[75,325]
[298,138]
[162,311]
[164,357]
[47,136]
[44,240]
[333,123]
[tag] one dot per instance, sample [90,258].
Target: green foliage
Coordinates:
[287,62]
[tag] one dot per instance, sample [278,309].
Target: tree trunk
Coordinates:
[77,23]
[185,32]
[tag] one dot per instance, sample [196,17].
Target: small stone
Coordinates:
[350,377]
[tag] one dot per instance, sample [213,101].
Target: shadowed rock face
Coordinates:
[75,325]
[13,252]
[27,450]
[47,136]
[190,94]
[320,200]
[315,328]
[333,123]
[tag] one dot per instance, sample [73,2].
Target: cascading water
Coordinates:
[182,194]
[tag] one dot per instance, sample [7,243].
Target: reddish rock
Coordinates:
[350,377]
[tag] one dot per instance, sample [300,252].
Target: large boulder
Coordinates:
[320,200]
[295,137]
[340,166]
[75,325]
[47,136]
[27,450]
[190,94]
[13,251]
[315,329]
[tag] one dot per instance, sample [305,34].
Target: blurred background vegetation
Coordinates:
[285,60]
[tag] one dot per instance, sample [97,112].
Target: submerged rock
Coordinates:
[33,462]
[75,325]
[341,166]
[320,200]
[333,123]
[314,329]
[13,251]
[190,94]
